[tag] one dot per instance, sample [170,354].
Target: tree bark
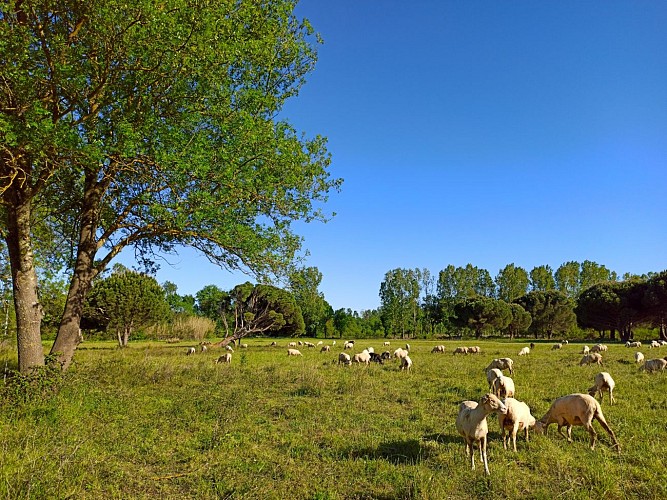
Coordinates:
[24,280]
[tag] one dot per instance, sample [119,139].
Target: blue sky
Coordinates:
[482,132]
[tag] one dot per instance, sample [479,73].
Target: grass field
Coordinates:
[150,422]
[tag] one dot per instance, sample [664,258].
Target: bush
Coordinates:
[183,327]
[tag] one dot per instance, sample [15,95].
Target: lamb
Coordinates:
[501,364]
[190,351]
[344,358]
[556,346]
[492,375]
[517,418]
[585,350]
[654,365]
[293,352]
[406,363]
[524,351]
[503,387]
[639,357]
[575,409]
[592,357]
[325,348]
[362,357]
[460,350]
[603,381]
[599,348]
[438,348]
[225,358]
[400,353]
[471,424]
[229,348]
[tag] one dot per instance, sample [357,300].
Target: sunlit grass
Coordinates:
[148,421]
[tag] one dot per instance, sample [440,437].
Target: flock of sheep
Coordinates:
[513,415]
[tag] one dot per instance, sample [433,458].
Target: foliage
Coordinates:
[520,320]
[552,312]
[215,304]
[512,282]
[542,279]
[125,301]
[182,327]
[482,314]
[304,284]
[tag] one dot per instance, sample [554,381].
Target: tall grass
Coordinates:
[149,422]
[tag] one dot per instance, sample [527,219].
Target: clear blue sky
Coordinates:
[481,132]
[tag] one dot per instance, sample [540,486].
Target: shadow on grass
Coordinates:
[444,438]
[395,452]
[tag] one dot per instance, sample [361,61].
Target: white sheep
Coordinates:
[406,363]
[471,424]
[438,348]
[362,357]
[517,418]
[204,348]
[503,387]
[291,344]
[460,350]
[400,353]
[229,348]
[320,342]
[348,345]
[639,357]
[344,358]
[654,343]
[244,346]
[599,348]
[556,346]
[293,352]
[225,358]
[585,350]
[407,347]
[333,343]
[325,348]
[591,357]
[474,350]
[190,351]
[575,409]
[492,375]
[654,365]
[633,344]
[386,343]
[370,349]
[501,364]
[603,381]
[309,344]
[524,351]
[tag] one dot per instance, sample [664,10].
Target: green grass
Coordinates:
[150,422]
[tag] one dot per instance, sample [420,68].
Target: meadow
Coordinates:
[150,422]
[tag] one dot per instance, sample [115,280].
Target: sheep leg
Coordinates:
[515,429]
[482,450]
[611,397]
[560,431]
[502,433]
[569,433]
[593,434]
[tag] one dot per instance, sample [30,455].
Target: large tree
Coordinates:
[151,125]
[512,282]
[542,279]
[552,312]
[482,314]
[304,284]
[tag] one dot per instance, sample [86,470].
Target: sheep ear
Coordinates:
[485,398]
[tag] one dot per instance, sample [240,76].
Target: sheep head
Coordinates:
[492,403]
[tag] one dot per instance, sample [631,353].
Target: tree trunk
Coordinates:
[24,282]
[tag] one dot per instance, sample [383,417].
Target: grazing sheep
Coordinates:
[474,350]
[591,357]
[575,409]
[400,353]
[654,343]
[300,343]
[325,348]
[599,348]
[190,351]
[362,357]
[310,345]
[517,418]
[225,358]
[503,387]
[639,357]
[654,365]
[375,357]
[460,350]
[532,346]
[344,358]
[291,344]
[293,352]
[501,364]
[603,381]
[492,375]
[585,350]
[370,349]
[229,348]
[524,351]
[406,363]
[407,347]
[348,345]
[556,346]
[471,424]
[564,342]
[386,343]
[385,355]
[203,348]
[274,344]
[438,348]
[633,344]
[320,342]
[244,346]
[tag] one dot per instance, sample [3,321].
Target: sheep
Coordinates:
[474,350]
[438,348]
[386,343]
[344,358]
[348,345]
[291,344]
[654,365]
[400,353]
[375,357]
[370,350]
[320,342]
[203,348]
[385,355]
[585,350]
[501,364]
[407,347]
[274,344]
[633,344]
[471,424]
[362,357]
[190,351]
[294,352]
[503,387]
[310,345]
[492,375]
[556,346]
[524,351]
[532,346]
[599,348]
[517,418]
[225,358]
[229,348]
[244,346]
[300,343]
[639,357]
[325,348]
[406,363]
[564,342]
[603,381]
[592,357]
[654,343]
[460,350]
[333,343]
[575,409]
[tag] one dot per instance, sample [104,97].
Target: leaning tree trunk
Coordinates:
[24,281]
